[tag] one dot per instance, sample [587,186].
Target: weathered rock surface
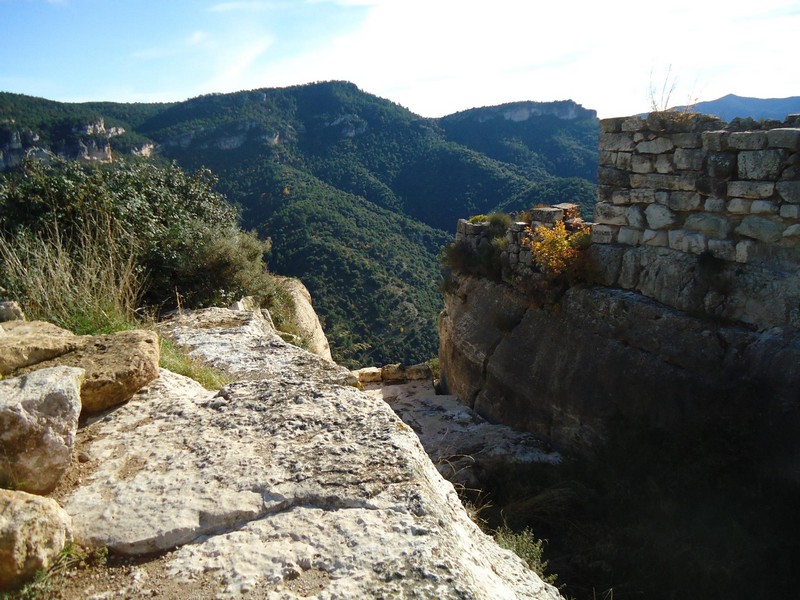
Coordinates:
[463,446]
[764,293]
[11,311]
[564,374]
[38,419]
[278,477]
[306,320]
[30,342]
[116,366]
[33,531]
[244,344]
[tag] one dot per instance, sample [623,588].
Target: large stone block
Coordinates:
[659,216]
[790,211]
[714,205]
[617,142]
[642,164]
[117,366]
[629,236]
[688,241]
[611,125]
[610,214]
[761,164]
[613,177]
[687,140]
[751,189]
[721,164]
[635,217]
[739,206]
[747,140]
[664,164]
[715,141]
[549,215]
[31,342]
[788,138]
[633,124]
[651,237]
[789,191]
[691,160]
[38,420]
[764,207]
[684,201]
[33,532]
[714,226]
[664,182]
[602,234]
[761,229]
[658,145]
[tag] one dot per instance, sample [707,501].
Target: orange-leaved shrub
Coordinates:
[559,253]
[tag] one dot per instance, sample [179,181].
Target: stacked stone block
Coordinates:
[692,184]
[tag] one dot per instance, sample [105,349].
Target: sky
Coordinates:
[434,57]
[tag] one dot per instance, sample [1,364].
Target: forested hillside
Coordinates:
[357,193]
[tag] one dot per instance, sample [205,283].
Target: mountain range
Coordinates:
[358,194]
[731,106]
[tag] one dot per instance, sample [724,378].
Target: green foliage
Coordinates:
[352,153]
[559,253]
[166,234]
[525,545]
[486,260]
[87,283]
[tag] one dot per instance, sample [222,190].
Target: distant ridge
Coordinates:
[732,106]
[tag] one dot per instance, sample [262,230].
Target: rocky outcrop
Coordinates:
[282,476]
[566,371]
[33,531]
[465,448]
[116,366]
[305,319]
[246,345]
[25,343]
[38,419]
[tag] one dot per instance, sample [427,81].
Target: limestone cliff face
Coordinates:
[566,371]
[305,319]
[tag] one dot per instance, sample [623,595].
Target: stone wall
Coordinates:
[702,216]
[688,184]
[516,259]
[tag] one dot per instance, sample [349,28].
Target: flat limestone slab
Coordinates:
[271,479]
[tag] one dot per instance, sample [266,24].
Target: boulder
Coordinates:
[33,531]
[420,372]
[38,419]
[393,373]
[305,319]
[243,344]
[465,447]
[116,366]
[271,480]
[30,342]
[11,311]
[368,374]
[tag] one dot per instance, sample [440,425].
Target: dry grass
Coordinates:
[87,282]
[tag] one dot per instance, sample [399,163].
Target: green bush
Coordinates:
[525,545]
[171,239]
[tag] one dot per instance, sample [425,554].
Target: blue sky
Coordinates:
[433,56]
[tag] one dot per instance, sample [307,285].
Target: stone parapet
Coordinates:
[701,181]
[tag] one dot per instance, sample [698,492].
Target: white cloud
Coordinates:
[448,55]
